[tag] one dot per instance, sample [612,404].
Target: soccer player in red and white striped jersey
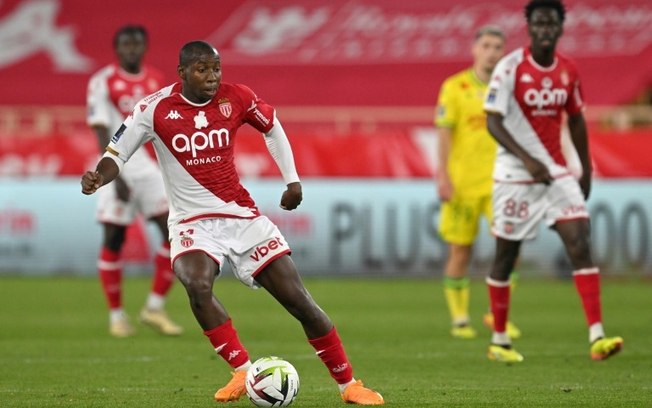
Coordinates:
[213,219]
[112,93]
[530,90]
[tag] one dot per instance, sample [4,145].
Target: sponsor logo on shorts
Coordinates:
[261,251]
[574,210]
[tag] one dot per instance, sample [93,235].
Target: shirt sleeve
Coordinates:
[97,102]
[447,114]
[278,146]
[258,113]
[501,88]
[575,102]
[135,131]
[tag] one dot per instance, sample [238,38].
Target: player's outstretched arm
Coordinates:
[107,170]
[537,169]
[579,136]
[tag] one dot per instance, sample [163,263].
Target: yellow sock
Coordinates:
[513,279]
[457,292]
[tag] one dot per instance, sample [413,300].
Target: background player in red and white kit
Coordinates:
[529,91]
[112,93]
[213,219]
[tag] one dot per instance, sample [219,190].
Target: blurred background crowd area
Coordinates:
[331,68]
[354,82]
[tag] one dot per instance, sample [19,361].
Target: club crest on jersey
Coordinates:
[225,107]
[564,78]
[200,120]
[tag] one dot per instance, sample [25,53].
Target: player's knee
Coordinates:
[579,249]
[114,239]
[197,285]
[199,291]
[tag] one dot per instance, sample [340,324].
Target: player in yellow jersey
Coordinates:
[464,179]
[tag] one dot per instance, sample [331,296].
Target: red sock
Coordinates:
[499,299]
[224,339]
[330,350]
[110,270]
[163,275]
[587,282]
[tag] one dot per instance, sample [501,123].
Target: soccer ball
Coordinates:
[272,382]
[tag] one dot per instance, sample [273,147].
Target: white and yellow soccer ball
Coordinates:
[272,382]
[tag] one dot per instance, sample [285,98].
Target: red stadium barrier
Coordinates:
[389,154]
[321,52]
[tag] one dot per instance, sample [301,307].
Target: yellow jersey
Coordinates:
[473,149]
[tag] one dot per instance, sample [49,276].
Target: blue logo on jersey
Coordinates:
[118,134]
[491,98]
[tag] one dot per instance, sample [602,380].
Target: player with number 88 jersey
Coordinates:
[530,90]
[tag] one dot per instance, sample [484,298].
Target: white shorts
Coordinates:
[518,207]
[147,196]
[249,244]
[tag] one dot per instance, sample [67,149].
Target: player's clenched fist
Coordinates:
[91,181]
[292,197]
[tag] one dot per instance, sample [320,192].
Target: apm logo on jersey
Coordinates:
[200,141]
[546,100]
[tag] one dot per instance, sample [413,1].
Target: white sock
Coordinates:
[244,367]
[596,331]
[342,387]
[155,302]
[117,315]
[501,339]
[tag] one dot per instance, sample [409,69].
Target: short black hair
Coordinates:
[191,51]
[130,29]
[551,4]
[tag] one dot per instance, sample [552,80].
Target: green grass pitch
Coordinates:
[55,350]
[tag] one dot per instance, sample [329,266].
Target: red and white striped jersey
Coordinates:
[111,96]
[532,98]
[194,144]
